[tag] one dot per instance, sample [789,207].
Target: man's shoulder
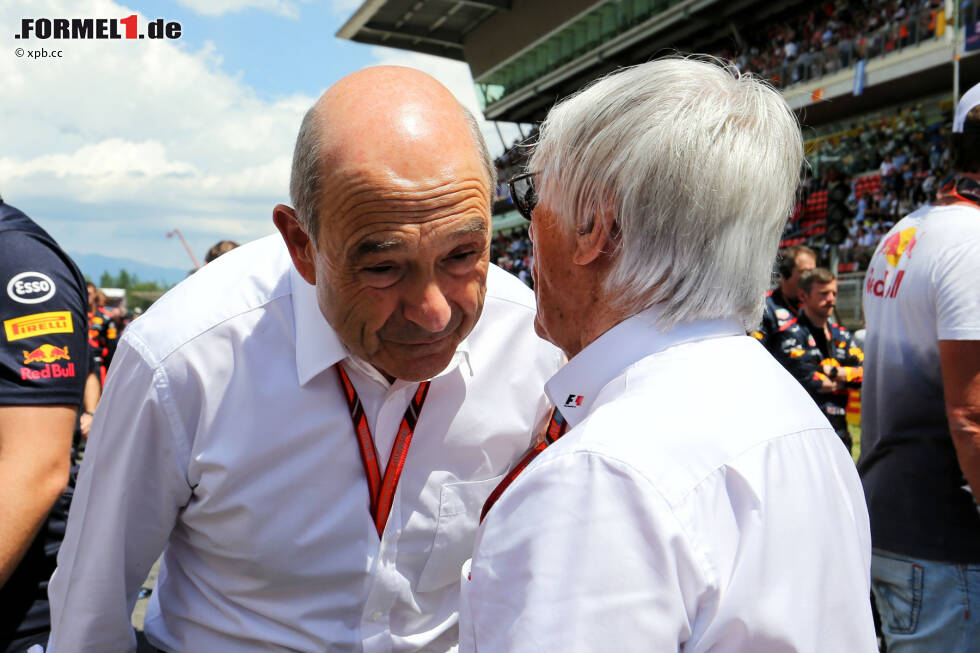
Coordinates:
[950,225]
[839,331]
[676,422]
[792,329]
[33,268]
[505,331]
[778,304]
[244,280]
[509,291]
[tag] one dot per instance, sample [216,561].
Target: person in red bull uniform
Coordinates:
[782,304]
[820,353]
[920,440]
[102,332]
[43,369]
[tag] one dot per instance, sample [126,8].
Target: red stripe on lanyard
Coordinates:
[555,429]
[382,490]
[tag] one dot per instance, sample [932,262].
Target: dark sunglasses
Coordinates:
[523,194]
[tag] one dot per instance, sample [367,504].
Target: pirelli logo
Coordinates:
[38,324]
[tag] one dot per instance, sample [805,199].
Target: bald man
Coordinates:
[308,427]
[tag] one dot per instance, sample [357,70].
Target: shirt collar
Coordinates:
[318,346]
[574,388]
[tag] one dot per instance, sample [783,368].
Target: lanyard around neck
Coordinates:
[555,429]
[382,489]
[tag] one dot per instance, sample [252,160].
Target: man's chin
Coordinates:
[541,330]
[418,362]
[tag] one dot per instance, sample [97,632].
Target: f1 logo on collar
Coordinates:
[573,401]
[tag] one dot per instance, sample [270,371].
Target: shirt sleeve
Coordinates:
[43,350]
[579,555]
[130,491]
[957,291]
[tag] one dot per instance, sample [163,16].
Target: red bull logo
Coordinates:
[46,354]
[900,242]
[50,371]
[880,287]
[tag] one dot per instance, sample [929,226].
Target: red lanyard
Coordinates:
[556,428]
[382,490]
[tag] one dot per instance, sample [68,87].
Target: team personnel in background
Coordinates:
[102,332]
[43,367]
[249,415]
[219,248]
[820,353]
[680,511]
[782,302]
[920,448]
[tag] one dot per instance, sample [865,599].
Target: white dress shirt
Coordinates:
[224,440]
[699,502]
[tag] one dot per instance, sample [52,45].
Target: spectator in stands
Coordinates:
[929,186]
[820,353]
[920,449]
[866,238]
[219,248]
[655,524]
[887,171]
[862,207]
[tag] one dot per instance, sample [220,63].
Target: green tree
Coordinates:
[138,293]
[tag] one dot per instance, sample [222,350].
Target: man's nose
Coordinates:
[429,308]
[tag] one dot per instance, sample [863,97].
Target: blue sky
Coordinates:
[117,142]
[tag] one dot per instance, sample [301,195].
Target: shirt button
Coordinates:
[376,615]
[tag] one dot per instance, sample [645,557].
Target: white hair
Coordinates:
[305,180]
[698,165]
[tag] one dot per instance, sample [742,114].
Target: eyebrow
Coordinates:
[371,246]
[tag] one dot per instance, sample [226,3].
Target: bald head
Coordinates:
[386,120]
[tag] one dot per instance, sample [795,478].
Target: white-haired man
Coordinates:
[685,509]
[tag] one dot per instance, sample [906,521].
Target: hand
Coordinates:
[827,384]
[85,424]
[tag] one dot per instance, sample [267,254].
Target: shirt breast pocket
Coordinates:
[459,515]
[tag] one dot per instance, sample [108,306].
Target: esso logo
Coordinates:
[30,288]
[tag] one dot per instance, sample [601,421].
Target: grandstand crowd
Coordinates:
[827,37]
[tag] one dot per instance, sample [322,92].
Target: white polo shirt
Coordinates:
[224,440]
[699,502]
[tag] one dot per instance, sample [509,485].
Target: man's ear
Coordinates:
[596,241]
[297,241]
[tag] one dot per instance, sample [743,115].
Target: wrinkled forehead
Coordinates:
[381,204]
[416,144]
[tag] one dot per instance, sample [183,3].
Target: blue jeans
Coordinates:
[926,606]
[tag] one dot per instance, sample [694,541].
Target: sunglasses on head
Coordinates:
[523,193]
